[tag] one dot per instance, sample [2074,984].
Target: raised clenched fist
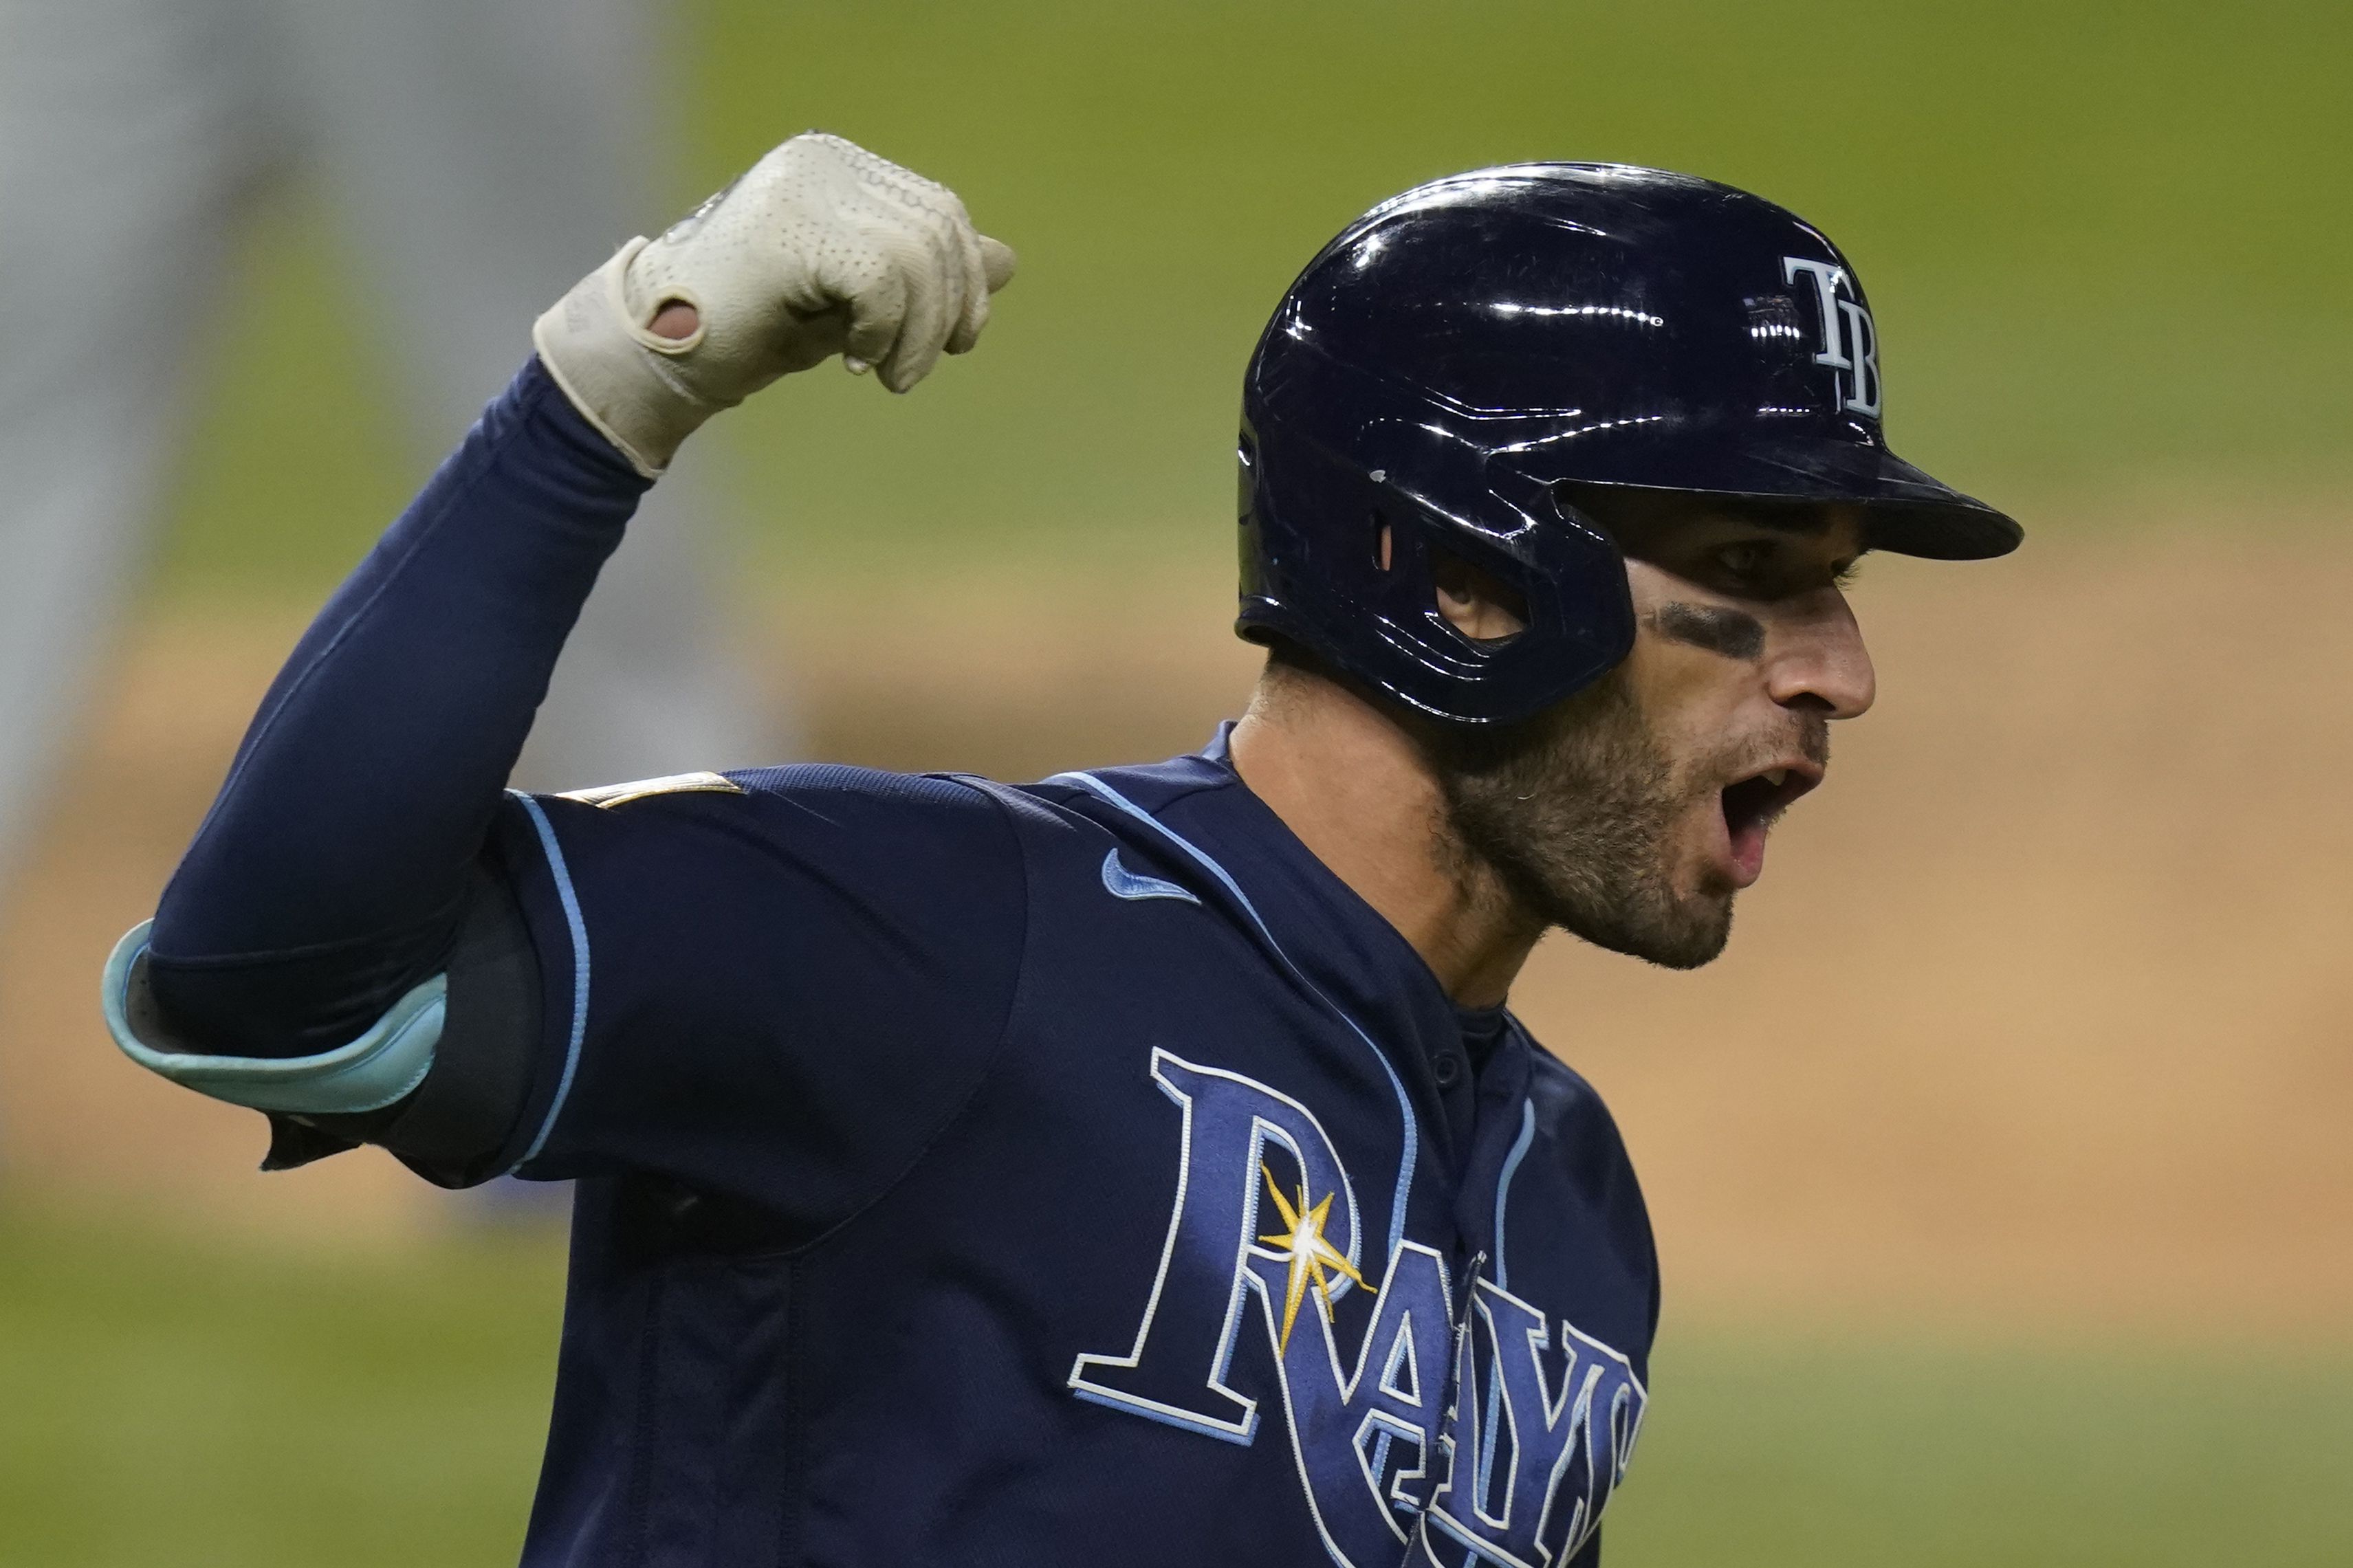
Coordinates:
[820,248]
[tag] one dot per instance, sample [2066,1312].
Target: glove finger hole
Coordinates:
[676,319]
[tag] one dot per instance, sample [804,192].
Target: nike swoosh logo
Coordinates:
[1122,883]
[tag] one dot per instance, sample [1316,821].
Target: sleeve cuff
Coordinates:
[381,1067]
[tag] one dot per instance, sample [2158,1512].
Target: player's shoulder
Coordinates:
[861,827]
[800,810]
[794,789]
[818,786]
[773,839]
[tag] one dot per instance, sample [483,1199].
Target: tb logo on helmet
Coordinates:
[1850,340]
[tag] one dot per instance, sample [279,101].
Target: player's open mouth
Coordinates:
[1751,805]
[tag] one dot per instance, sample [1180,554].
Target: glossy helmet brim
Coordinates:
[1905,510]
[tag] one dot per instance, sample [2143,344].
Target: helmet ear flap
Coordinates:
[1346,560]
[1429,557]
[1551,580]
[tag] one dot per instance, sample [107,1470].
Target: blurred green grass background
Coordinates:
[2104,242]
[231,1406]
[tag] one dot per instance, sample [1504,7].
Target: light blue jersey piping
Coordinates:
[1502,1282]
[579,929]
[1405,1106]
[1504,1184]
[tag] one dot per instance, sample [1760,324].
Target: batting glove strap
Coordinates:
[381,1067]
[820,248]
[618,375]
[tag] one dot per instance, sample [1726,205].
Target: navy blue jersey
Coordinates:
[1071,1174]
[1075,1172]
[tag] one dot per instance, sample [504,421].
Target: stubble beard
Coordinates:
[1574,811]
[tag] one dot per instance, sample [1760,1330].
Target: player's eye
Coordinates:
[1744,561]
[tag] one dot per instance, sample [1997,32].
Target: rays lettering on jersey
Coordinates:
[1850,340]
[1500,1443]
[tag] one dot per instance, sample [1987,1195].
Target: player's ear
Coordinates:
[1479,604]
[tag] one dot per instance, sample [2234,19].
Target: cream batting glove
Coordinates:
[820,248]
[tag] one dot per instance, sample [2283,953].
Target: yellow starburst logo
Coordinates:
[1310,1254]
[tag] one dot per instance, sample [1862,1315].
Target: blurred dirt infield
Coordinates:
[2041,1016]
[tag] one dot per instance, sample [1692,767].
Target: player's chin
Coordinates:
[1696,936]
[1688,943]
[1675,927]
[1691,924]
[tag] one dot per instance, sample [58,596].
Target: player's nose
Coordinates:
[1820,661]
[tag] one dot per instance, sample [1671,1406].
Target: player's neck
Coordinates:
[1356,791]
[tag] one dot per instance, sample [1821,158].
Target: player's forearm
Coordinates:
[328,876]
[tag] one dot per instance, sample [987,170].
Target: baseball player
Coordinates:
[1138,1166]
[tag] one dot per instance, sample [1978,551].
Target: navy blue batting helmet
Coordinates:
[1462,356]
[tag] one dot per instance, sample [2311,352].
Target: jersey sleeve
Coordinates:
[778,985]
